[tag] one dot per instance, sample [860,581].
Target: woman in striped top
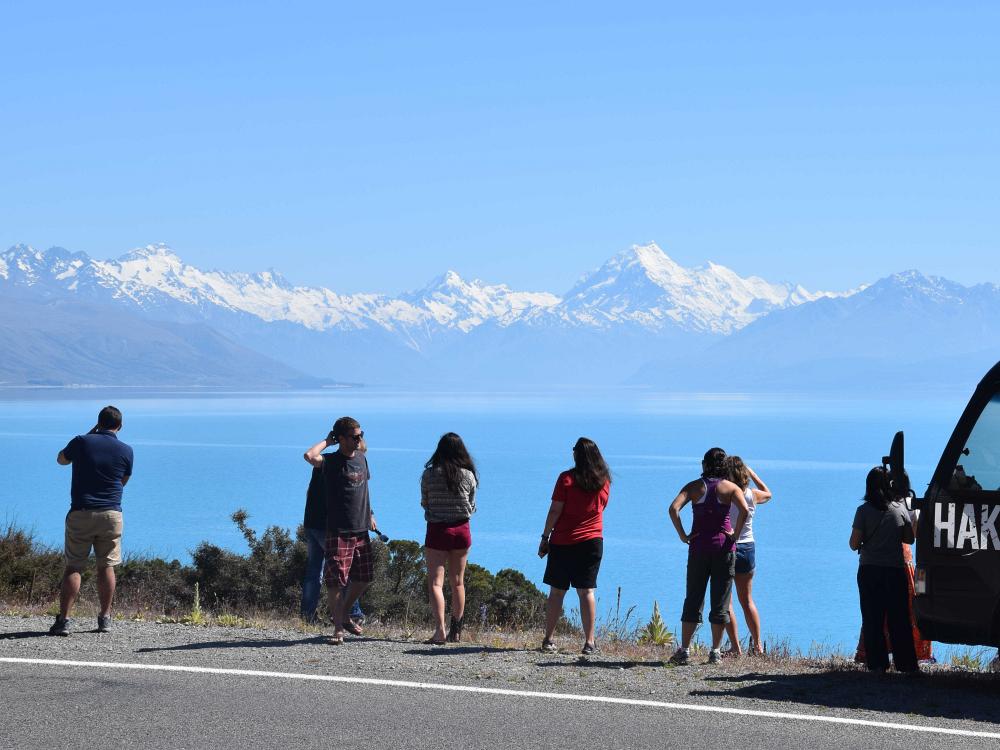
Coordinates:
[448,497]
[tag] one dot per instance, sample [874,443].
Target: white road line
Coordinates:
[504,691]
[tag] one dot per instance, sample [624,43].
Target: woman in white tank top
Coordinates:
[742,475]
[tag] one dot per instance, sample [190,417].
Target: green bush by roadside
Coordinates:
[267,578]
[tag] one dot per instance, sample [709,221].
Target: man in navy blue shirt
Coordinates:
[102,466]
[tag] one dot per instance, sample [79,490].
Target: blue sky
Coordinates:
[368,147]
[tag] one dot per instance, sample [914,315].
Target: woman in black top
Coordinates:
[881,527]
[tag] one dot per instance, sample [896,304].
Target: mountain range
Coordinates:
[147,318]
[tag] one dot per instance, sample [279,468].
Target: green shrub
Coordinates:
[399,590]
[268,578]
[154,584]
[29,571]
[516,601]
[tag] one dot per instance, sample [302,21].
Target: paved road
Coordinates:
[58,706]
[308,692]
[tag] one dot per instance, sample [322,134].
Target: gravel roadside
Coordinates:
[942,697]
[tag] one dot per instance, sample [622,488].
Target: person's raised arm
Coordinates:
[761,493]
[555,510]
[685,496]
[314,455]
[62,460]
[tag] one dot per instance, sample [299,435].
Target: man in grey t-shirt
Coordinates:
[349,517]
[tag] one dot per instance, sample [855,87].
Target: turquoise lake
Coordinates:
[199,458]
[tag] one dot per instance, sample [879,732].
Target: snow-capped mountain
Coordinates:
[643,285]
[452,302]
[154,277]
[639,307]
[903,330]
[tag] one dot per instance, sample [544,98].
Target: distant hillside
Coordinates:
[451,333]
[907,330]
[68,342]
[640,319]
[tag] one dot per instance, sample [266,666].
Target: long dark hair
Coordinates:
[877,491]
[713,465]
[450,457]
[590,472]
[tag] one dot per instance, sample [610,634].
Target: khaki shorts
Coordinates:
[100,529]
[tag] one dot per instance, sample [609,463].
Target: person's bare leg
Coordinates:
[106,588]
[553,611]
[69,591]
[588,614]
[354,591]
[334,596]
[436,560]
[718,629]
[457,559]
[733,631]
[687,633]
[744,591]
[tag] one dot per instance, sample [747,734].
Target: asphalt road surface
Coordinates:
[55,705]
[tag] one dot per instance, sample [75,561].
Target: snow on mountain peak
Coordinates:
[271,277]
[452,279]
[643,285]
[640,286]
[158,258]
[30,266]
[455,303]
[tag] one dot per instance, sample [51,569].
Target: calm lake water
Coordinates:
[197,459]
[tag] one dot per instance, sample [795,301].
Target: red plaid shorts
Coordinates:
[348,558]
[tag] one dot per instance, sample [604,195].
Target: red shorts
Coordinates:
[445,537]
[348,558]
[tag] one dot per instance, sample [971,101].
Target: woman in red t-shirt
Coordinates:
[573,538]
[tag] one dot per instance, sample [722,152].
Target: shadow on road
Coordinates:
[261,643]
[24,634]
[582,661]
[456,650]
[946,695]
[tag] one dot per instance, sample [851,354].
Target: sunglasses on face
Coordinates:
[357,438]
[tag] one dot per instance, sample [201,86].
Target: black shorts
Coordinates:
[574,565]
